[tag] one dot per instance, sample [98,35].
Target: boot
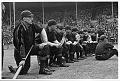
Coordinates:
[12,70]
[47,66]
[61,62]
[71,56]
[43,69]
[69,61]
[73,59]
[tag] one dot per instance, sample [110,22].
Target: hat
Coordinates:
[52,22]
[75,29]
[102,37]
[26,13]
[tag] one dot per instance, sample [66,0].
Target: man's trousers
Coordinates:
[108,55]
[43,53]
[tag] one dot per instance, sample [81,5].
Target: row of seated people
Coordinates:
[55,49]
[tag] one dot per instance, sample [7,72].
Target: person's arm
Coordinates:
[108,46]
[63,38]
[97,37]
[44,36]
[22,44]
[56,42]
[89,38]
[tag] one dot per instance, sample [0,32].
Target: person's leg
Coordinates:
[60,59]
[72,51]
[82,54]
[107,55]
[113,52]
[99,58]
[77,50]
[43,55]
[69,55]
[65,52]
[85,49]
[18,59]
[53,57]
[26,66]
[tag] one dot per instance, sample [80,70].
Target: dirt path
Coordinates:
[84,69]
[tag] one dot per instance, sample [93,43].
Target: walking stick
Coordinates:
[20,67]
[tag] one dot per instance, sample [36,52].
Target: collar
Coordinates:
[25,24]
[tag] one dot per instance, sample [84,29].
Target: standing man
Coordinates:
[24,38]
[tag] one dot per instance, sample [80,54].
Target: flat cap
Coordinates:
[52,22]
[26,13]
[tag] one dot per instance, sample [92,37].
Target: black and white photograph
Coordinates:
[59,40]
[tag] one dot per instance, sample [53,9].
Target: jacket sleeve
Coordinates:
[22,45]
[108,46]
[42,32]
[37,28]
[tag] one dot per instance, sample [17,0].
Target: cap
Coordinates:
[52,22]
[102,37]
[26,13]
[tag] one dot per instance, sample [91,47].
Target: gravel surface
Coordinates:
[84,69]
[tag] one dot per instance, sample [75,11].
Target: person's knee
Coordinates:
[115,51]
[101,58]
[59,50]
[44,52]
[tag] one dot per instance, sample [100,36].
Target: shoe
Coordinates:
[83,57]
[53,65]
[22,73]
[44,71]
[80,58]
[64,65]
[12,70]
[50,69]
[69,61]
[75,60]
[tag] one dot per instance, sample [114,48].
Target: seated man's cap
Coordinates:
[102,37]
[52,22]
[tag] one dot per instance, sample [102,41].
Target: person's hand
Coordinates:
[74,43]
[58,45]
[22,63]
[50,44]
[42,45]
[64,34]
[81,46]
[69,42]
